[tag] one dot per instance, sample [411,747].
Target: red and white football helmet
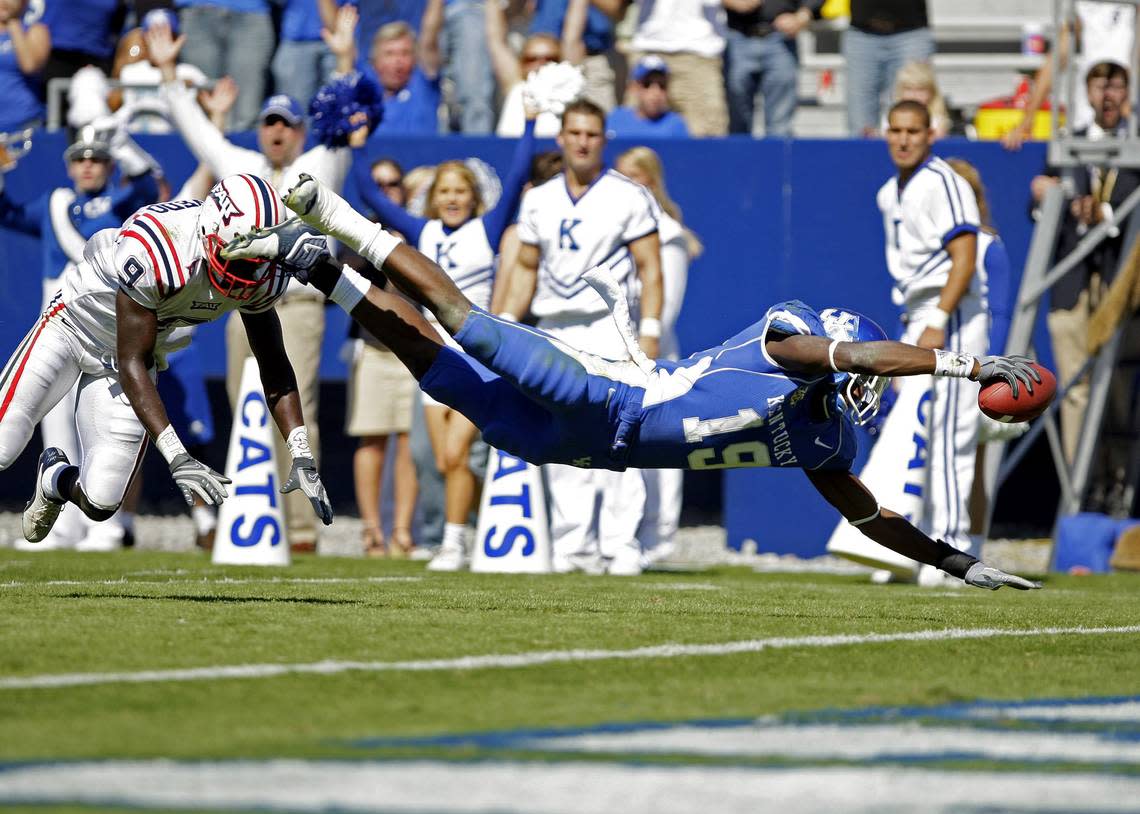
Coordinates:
[236,205]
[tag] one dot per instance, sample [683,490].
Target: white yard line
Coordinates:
[213,581]
[480,787]
[507,661]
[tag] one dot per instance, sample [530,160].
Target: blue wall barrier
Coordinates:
[779,219]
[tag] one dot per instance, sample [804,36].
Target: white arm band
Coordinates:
[350,289]
[376,250]
[948,363]
[866,519]
[831,355]
[169,444]
[937,319]
[298,442]
[649,327]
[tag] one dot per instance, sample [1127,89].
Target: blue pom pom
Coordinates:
[336,105]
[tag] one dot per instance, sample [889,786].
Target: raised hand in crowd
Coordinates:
[163,49]
[219,99]
[341,39]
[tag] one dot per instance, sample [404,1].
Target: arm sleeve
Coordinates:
[528,221]
[205,141]
[996,264]
[643,215]
[391,214]
[139,191]
[950,206]
[675,271]
[26,218]
[495,221]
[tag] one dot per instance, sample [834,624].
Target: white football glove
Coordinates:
[304,476]
[990,429]
[981,575]
[295,246]
[195,478]
[553,86]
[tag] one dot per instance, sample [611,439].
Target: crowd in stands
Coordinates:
[678,69]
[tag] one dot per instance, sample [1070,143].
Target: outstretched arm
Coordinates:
[818,355]
[846,492]
[391,214]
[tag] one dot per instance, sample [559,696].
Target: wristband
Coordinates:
[351,287]
[507,316]
[948,363]
[298,442]
[866,519]
[649,327]
[937,319]
[831,355]
[169,444]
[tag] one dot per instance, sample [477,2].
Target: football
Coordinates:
[997,401]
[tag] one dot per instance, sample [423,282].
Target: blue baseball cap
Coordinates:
[647,65]
[160,15]
[284,106]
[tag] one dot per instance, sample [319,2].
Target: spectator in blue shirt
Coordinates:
[24,47]
[374,15]
[231,38]
[410,79]
[650,115]
[83,32]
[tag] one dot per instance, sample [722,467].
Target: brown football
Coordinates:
[997,401]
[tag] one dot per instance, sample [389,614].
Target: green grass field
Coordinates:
[391,634]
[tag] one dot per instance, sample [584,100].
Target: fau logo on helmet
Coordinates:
[227,207]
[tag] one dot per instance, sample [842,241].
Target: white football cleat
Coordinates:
[316,204]
[41,512]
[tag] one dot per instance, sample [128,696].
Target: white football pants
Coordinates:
[45,367]
[953,416]
[594,513]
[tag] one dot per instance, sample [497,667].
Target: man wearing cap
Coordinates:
[279,159]
[64,218]
[760,55]
[650,115]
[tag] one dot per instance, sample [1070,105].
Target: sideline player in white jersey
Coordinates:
[589,216]
[930,217]
[116,317]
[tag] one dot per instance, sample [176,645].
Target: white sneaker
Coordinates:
[625,564]
[41,512]
[448,558]
[105,536]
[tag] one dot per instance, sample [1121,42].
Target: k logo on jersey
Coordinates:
[227,207]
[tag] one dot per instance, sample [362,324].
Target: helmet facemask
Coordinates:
[236,279]
[236,205]
[860,394]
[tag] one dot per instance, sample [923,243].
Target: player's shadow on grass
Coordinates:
[294,600]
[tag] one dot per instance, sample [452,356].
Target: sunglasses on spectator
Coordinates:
[269,121]
[532,58]
[656,81]
[388,183]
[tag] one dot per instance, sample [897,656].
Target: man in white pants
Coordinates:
[584,217]
[931,220]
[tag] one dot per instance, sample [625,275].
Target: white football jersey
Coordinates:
[935,206]
[574,235]
[464,254]
[156,259]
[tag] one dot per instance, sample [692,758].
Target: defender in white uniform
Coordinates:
[117,315]
[589,216]
[930,217]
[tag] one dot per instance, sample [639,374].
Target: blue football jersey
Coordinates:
[734,406]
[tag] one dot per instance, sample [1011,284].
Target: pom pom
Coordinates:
[335,111]
[554,86]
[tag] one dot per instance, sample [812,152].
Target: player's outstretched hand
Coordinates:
[1009,369]
[981,575]
[296,247]
[195,478]
[304,476]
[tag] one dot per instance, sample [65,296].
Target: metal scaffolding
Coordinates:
[1043,270]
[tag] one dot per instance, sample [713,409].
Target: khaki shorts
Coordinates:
[380,391]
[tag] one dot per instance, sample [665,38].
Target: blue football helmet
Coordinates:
[859,393]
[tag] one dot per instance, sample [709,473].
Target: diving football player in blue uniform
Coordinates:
[784,392]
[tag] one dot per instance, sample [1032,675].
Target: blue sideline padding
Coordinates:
[1085,541]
